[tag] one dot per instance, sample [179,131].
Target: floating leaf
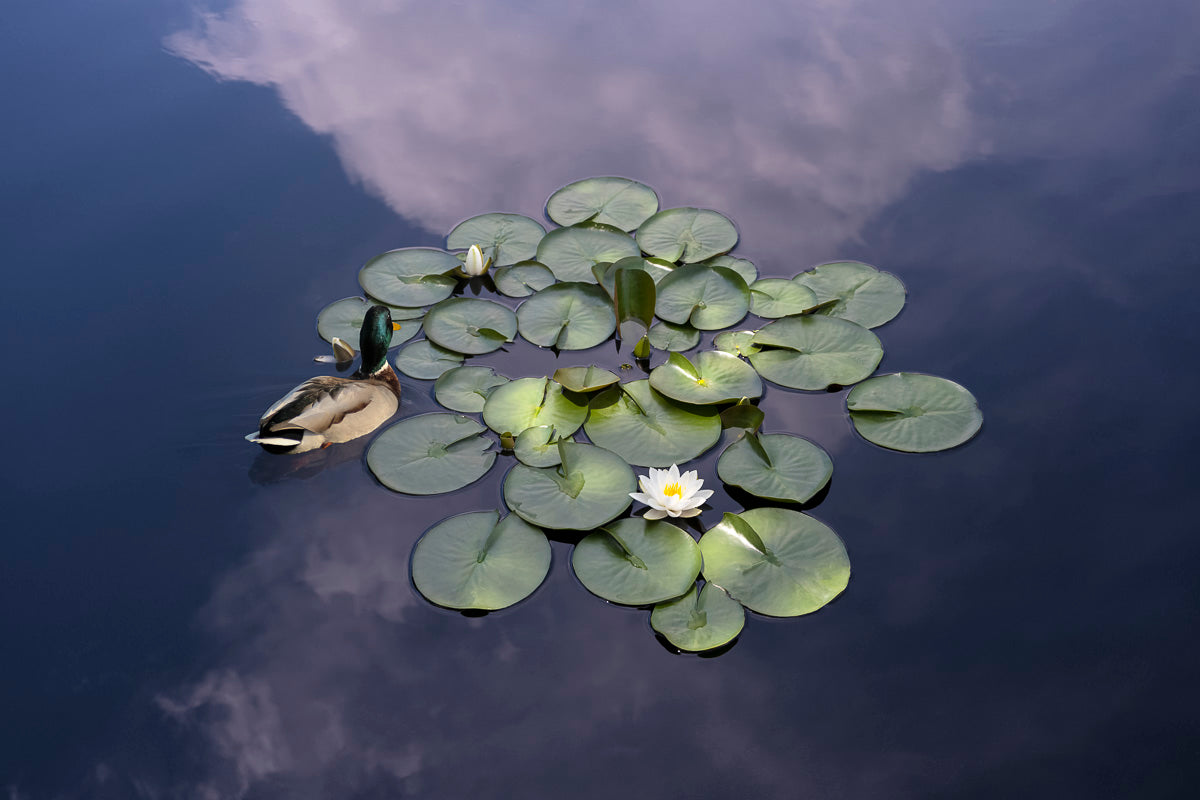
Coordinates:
[590,488]
[700,620]
[510,237]
[466,388]
[584,379]
[425,360]
[648,429]
[771,298]
[676,338]
[569,316]
[522,279]
[713,377]
[636,563]
[620,202]
[815,352]
[741,266]
[744,414]
[855,291]
[739,343]
[431,454]
[633,296]
[791,565]
[529,402]
[776,466]
[708,298]
[471,561]
[570,253]
[343,319]
[914,413]
[538,446]
[687,234]
[470,325]
[410,276]
[658,268]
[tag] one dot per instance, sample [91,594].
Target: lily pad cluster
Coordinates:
[661,282]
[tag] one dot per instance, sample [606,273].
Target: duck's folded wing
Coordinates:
[318,404]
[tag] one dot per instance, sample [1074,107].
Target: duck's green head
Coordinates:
[375,337]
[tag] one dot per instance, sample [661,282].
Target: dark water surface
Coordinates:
[185,617]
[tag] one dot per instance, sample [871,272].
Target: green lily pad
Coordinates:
[739,343]
[743,267]
[772,298]
[425,360]
[585,379]
[914,413]
[776,466]
[672,337]
[742,414]
[658,268]
[590,487]
[410,276]
[509,237]
[538,446]
[815,352]
[855,291]
[650,430]
[700,620]
[529,402]
[633,299]
[431,454]
[570,253]
[775,561]
[466,389]
[708,298]
[687,234]
[619,202]
[522,279]
[635,563]
[344,319]
[713,377]
[473,561]
[469,325]
[569,316]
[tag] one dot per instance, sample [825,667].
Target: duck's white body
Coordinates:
[327,410]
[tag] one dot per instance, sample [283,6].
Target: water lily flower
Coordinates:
[475,265]
[670,494]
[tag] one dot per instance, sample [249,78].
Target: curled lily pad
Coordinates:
[475,560]
[743,414]
[570,253]
[712,377]
[854,291]
[431,454]
[650,430]
[815,352]
[741,266]
[777,466]
[772,298]
[425,360]
[633,299]
[410,276]
[914,413]
[708,298]
[590,487]
[509,237]
[343,320]
[585,379]
[619,202]
[776,561]
[739,343]
[466,389]
[700,620]
[569,316]
[522,279]
[687,234]
[470,325]
[529,402]
[635,562]
[538,446]
[672,337]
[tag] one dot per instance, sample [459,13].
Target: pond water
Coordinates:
[185,616]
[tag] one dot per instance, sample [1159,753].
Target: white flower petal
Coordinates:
[691,512]
[655,513]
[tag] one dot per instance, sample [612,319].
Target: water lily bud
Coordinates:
[475,264]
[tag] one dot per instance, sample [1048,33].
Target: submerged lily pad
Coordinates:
[815,352]
[431,454]
[635,562]
[425,360]
[855,291]
[700,620]
[650,430]
[522,279]
[777,466]
[343,319]
[538,446]
[687,234]
[585,379]
[743,267]
[914,413]
[509,237]
[590,487]
[620,202]
[771,298]
[775,561]
[569,316]
[739,343]
[529,402]
[466,389]
[712,377]
[708,298]
[570,253]
[470,325]
[473,561]
[410,276]
[672,337]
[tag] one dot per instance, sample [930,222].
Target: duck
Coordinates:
[328,410]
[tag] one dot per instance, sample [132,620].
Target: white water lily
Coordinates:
[670,494]
[475,264]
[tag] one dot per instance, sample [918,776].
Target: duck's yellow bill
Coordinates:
[395,326]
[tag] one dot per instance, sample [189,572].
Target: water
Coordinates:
[186,617]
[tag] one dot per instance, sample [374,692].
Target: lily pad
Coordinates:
[815,352]
[570,253]
[344,318]
[538,446]
[743,267]
[772,298]
[410,276]
[569,316]
[590,487]
[687,234]
[636,563]
[776,466]
[470,325]
[431,454]
[739,343]
[466,389]
[776,561]
[529,402]
[633,299]
[672,337]
[700,620]
[473,561]
[522,279]
[620,202]
[713,377]
[708,298]
[425,360]
[509,237]
[855,291]
[914,413]
[650,430]
[585,379]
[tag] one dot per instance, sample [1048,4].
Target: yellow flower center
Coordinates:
[673,489]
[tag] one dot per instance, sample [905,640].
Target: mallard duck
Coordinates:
[325,410]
